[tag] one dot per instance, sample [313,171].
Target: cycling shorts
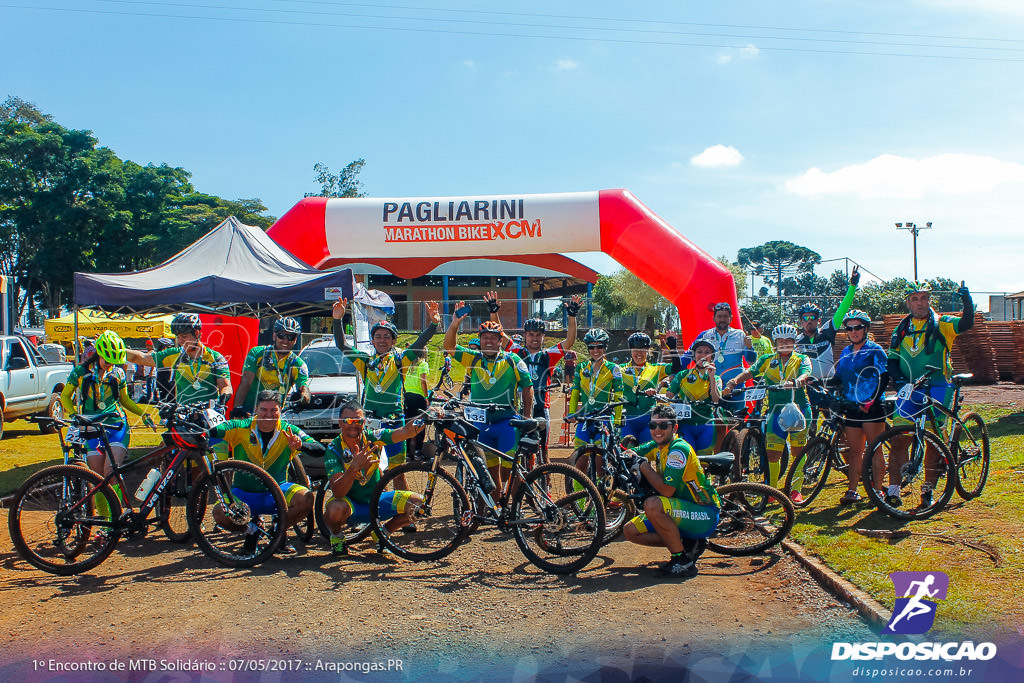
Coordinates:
[587,433]
[700,437]
[501,437]
[263,502]
[392,504]
[117,435]
[908,409]
[638,426]
[395,451]
[857,418]
[693,521]
[775,437]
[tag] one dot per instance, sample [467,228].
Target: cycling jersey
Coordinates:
[695,386]
[539,365]
[597,387]
[194,379]
[243,441]
[495,380]
[677,464]
[762,345]
[914,351]
[730,351]
[273,371]
[818,347]
[97,395]
[858,373]
[637,380]
[339,456]
[774,372]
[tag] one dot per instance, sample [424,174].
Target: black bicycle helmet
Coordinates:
[186,323]
[596,336]
[286,325]
[384,325]
[534,324]
[639,340]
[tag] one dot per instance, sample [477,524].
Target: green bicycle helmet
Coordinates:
[916,287]
[110,347]
[596,336]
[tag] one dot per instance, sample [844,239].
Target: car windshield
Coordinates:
[327,361]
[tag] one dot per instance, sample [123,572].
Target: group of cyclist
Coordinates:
[507,377]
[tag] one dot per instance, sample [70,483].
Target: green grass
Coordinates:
[981,594]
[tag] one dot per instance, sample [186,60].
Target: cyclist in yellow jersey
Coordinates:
[597,383]
[273,366]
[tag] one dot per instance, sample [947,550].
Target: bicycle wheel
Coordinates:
[52,517]
[478,505]
[913,444]
[753,518]
[440,512]
[817,463]
[558,528]
[172,506]
[233,533]
[353,532]
[970,450]
[306,527]
[732,442]
[753,460]
[618,508]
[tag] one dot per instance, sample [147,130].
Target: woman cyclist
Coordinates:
[597,383]
[789,370]
[860,377]
[640,381]
[99,387]
[701,388]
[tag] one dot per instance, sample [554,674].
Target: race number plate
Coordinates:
[683,410]
[754,394]
[905,391]
[475,414]
[212,417]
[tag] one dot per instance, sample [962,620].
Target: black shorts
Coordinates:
[857,417]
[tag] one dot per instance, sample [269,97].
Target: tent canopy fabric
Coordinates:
[92,323]
[235,269]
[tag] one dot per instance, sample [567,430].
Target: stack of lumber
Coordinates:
[1017,333]
[1004,350]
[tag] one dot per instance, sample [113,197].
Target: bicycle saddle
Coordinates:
[525,426]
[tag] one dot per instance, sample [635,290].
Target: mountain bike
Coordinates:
[824,451]
[557,528]
[54,513]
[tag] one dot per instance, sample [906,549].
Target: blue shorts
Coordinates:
[700,437]
[638,426]
[501,437]
[588,433]
[263,503]
[391,503]
[907,410]
[395,451]
[117,435]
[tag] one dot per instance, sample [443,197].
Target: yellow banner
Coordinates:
[92,323]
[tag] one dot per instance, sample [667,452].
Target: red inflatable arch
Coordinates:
[409,237]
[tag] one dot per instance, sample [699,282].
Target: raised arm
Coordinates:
[337,313]
[451,334]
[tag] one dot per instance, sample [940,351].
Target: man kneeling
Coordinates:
[685,510]
[352,462]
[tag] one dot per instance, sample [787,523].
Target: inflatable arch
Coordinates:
[409,237]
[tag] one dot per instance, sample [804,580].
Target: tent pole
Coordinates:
[74,342]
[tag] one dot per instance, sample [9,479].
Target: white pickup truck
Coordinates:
[29,385]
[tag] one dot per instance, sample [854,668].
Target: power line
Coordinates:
[407,29]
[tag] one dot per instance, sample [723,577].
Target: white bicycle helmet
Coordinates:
[785,331]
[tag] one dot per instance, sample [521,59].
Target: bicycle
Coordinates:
[968,439]
[557,530]
[752,454]
[824,451]
[53,513]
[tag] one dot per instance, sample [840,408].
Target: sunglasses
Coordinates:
[723,307]
[662,425]
[286,336]
[810,317]
[352,420]
[855,328]
[595,346]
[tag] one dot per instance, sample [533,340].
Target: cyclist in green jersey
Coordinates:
[98,387]
[352,463]
[921,339]
[274,366]
[270,443]
[495,378]
[701,388]
[200,373]
[640,382]
[597,382]
[787,369]
[384,370]
[683,511]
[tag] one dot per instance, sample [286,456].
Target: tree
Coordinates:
[775,261]
[345,183]
[606,298]
[623,292]
[739,276]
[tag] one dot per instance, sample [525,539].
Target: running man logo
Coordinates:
[916,593]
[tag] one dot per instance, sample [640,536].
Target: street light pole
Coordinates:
[914,229]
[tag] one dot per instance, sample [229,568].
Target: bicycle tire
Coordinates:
[306,527]
[731,443]
[172,510]
[566,525]
[972,458]
[32,520]
[617,507]
[353,532]
[880,449]
[753,457]
[441,520]
[229,546]
[817,459]
[478,504]
[753,518]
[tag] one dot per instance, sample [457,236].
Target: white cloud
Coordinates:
[750,50]
[469,63]
[566,65]
[724,59]
[891,176]
[716,156]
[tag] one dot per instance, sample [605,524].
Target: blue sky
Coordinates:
[748,121]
